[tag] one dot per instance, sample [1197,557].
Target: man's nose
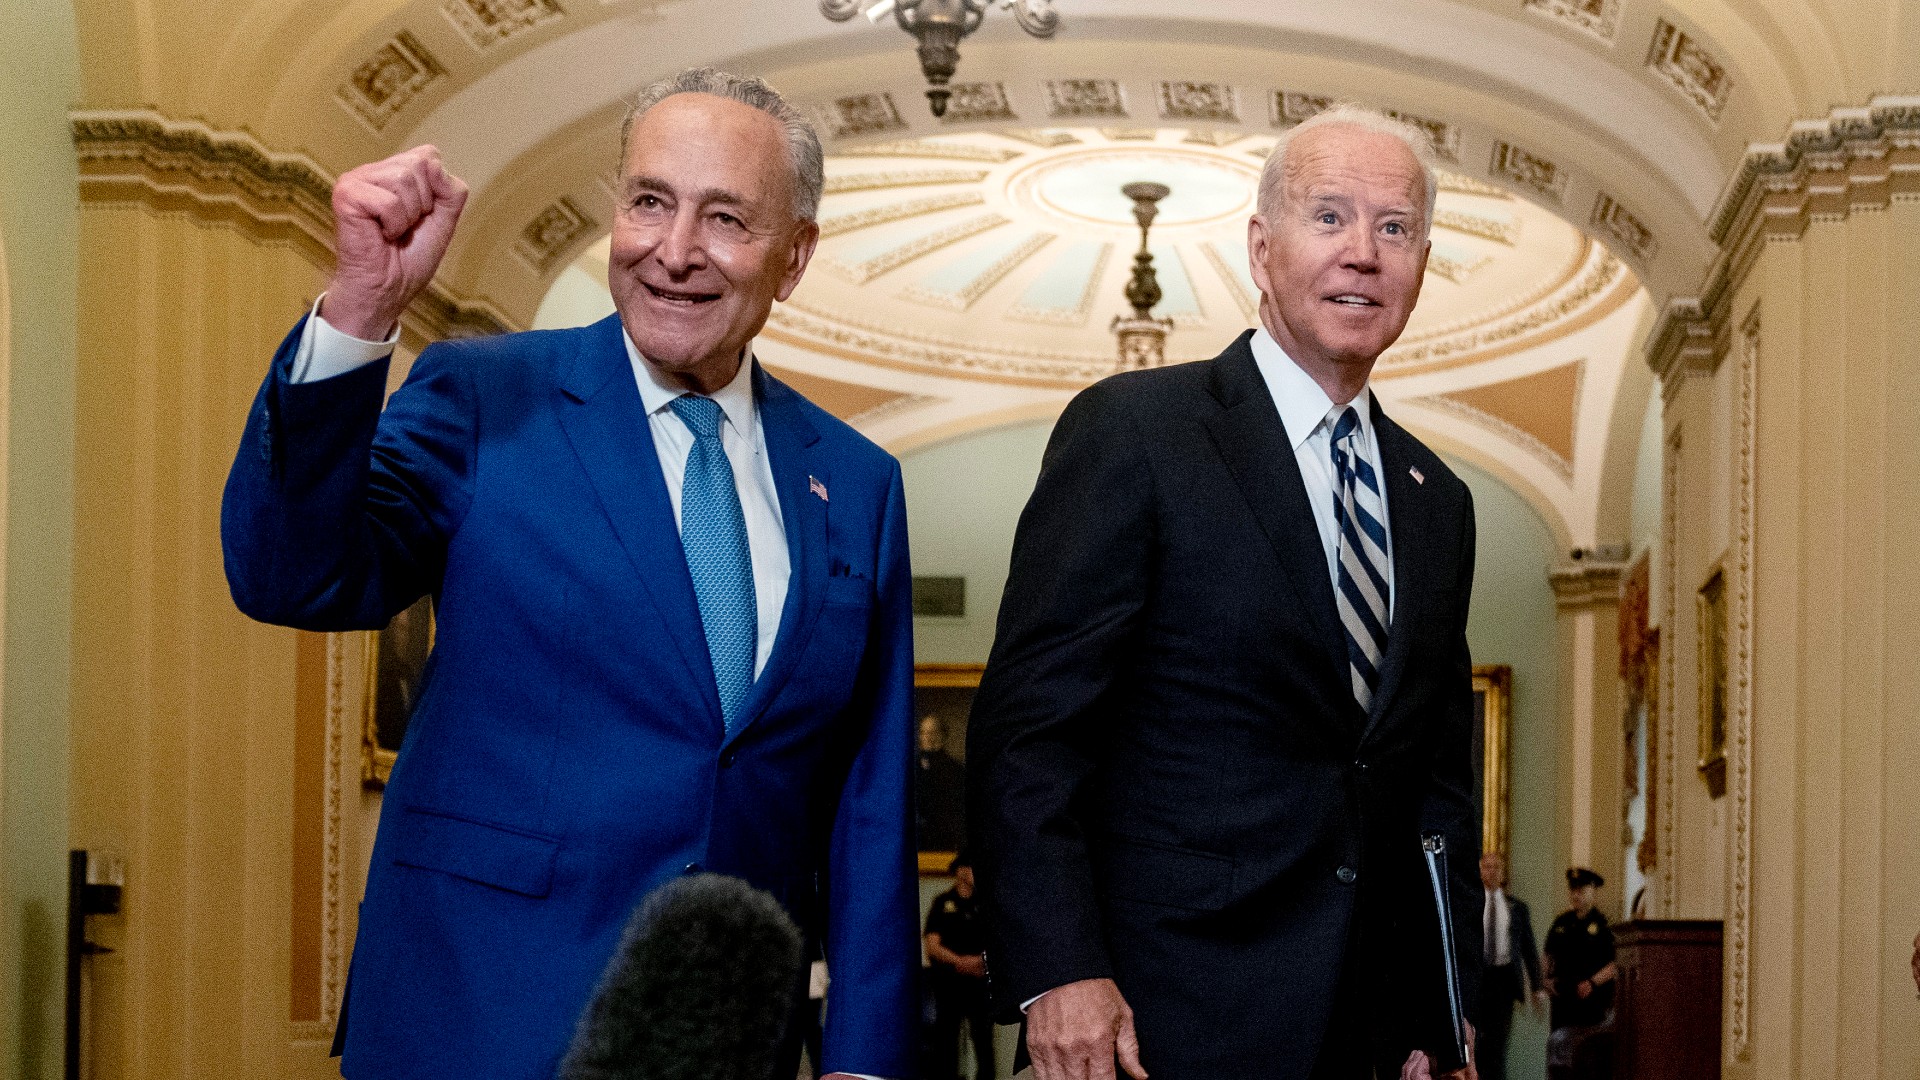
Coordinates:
[1363,249]
[680,250]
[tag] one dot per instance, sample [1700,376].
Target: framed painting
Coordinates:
[1493,754]
[1711,607]
[396,666]
[942,700]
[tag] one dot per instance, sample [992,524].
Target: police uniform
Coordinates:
[1579,947]
[961,926]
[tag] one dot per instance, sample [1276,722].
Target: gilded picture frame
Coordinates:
[1493,754]
[943,698]
[395,665]
[1710,606]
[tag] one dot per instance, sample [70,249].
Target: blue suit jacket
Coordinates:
[567,753]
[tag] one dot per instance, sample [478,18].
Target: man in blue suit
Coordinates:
[674,630]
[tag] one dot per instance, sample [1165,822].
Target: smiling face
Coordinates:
[1340,263]
[704,237]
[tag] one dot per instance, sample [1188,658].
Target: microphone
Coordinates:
[701,988]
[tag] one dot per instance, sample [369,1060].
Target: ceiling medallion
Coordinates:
[939,26]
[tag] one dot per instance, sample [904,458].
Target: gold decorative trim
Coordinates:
[841,185]
[1600,18]
[141,157]
[1604,273]
[1496,760]
[1045,138]
[860,114]
[978,103]
[1629,231]
[881,215]
[1083,98]
[887,410]
[1586,584]
[1455,270]
[333,935]
[1076,315]
[1686,65]
[1528,170]
[1500,232]
[1740,639]
[388,81]
[1205,101]
[1666,781]
[1467,185]
[486,23]
[926,148]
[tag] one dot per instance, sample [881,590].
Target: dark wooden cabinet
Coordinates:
[1667,1012]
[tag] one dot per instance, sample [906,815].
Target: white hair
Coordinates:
[803,143]
[1273,178]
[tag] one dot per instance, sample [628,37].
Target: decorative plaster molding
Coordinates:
[1206,101]
[927,148]
[1613,219]
[1502,232]
[388,81]
[1525,440]
[1666,780]
[1286,108]
[1530,171]
[1444,136]
[977,103]
[1853,159]
[1586,584]
[1467,185]
[333,905]
[863,272]
[901,211]
[1740,676]
[1086,98]
[1077,314]
[1604,273]
[552,235]
[1046,138]
[140,156]
[886,410]
[1213,137]
[1685,341]
[1120,134]
[1456,270]
[1683,63]
[963,298]
[1601,18]
[851,182]
[486,23]
[860,114]
[1249,305]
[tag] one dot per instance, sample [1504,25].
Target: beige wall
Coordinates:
[185,713]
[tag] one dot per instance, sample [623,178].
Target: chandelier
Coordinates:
[939,26]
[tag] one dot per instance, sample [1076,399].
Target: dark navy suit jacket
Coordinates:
[567,754]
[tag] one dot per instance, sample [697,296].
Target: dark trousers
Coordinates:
[1493,1019]
[958,998]
[1357,1046]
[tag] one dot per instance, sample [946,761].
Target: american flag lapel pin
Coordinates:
[814,485]
[1413,471]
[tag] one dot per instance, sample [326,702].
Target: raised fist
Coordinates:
[392,222]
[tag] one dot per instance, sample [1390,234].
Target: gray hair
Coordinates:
[1273,178]
[803,143]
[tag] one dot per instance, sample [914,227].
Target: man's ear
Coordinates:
[1257,244]
[806,237]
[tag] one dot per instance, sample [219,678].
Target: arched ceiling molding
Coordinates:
[1531,479]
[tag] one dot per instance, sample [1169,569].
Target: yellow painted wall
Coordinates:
[184,712]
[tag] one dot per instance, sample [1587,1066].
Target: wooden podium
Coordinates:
[1667,1010]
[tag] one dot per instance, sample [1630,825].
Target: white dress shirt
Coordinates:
[324,352]
[1309,414]
[1497,929]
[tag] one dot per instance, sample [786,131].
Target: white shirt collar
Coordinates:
[1302,404]
[657,389]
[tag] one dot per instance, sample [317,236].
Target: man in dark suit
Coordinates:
[660,649]
[1230,689]
[1510,972]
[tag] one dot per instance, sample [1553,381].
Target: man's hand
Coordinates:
[972,966]
[1584,988]
[1419,1067]
[392,221]
[1075,1031]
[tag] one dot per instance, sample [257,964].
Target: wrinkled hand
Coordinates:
[1585,988]
[1075,1031]
[972,966]
[392,222]
[1420,1067]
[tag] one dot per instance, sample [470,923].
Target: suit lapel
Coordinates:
[604,420]
[791,454]
[1249,435]
[1410,512]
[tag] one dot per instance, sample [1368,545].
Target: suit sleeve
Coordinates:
[873,939]
[1075,592]
[1449,807]
[336,515]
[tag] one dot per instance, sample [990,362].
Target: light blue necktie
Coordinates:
[1362,594]
[714,533]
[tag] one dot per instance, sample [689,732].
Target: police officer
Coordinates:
[1580,974]
[956,945]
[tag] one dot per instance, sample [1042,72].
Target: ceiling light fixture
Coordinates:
[940,25]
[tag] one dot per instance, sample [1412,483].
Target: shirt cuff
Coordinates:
[325,352]
[1028,1004]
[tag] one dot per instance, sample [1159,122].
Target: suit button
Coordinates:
[1360,766]
[692,868]
[727,759]
[1347,875]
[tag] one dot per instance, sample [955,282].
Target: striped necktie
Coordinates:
[713,531]
[1362,592]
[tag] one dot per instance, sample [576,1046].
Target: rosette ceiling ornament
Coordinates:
[940,25]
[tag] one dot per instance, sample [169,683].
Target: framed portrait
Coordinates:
[1493,754]
[1711,607]
[396,666]
[942,700]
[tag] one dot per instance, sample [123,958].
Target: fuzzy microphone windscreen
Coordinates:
[701,988]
